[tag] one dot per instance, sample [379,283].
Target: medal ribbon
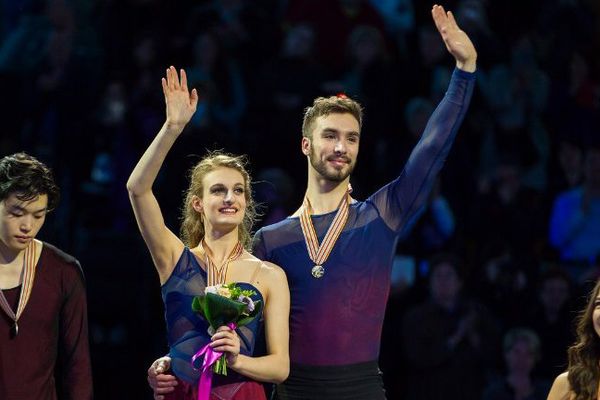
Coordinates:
[218,275]
[319,253]
[29,265]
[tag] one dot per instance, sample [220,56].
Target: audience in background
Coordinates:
[520,184]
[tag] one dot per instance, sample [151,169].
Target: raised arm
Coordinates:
[275,366]
[457,42]
[400,201]
[165,247]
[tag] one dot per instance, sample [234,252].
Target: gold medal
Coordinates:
[319,253]
[317,271]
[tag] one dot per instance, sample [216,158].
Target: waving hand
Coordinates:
[457,42]
[181,104]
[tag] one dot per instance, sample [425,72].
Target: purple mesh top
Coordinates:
[337,319]
[187,331]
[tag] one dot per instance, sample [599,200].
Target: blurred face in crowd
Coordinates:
[445,284]
[299,42]
[20,221]
[570,157]
[554,294]
[333,148]
[508,182]
[520,357]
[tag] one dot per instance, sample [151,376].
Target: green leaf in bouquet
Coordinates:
[219,310]
[198,304]
[247,319]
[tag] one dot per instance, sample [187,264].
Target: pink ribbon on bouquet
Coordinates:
[210,357]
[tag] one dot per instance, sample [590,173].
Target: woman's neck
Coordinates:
[220,244]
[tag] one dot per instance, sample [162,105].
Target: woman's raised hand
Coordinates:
[181,103]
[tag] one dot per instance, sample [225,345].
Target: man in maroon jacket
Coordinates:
[43,308]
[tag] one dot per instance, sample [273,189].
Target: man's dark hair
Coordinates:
[27,178]
[323,106]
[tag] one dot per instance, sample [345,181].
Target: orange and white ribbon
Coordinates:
[219,275]
[29,266]
[319,253]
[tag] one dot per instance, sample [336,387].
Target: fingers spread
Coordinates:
[194,99]
[169,78]
[163,82]
[183,79]
[452,20]
[439,17]
[175,78]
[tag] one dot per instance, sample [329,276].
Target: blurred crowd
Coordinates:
[485,281]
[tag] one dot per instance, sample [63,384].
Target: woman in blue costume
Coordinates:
[217,217]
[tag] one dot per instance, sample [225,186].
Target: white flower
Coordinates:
[223,290]
[212,289]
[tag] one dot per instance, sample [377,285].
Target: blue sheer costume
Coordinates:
[187,331]
[337,320]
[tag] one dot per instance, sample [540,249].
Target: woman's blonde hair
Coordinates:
[192,227]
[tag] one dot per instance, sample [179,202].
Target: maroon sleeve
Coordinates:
[74,350]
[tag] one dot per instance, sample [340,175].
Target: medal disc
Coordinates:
[317,271]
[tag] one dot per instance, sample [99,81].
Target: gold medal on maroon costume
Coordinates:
[29,265]
[319,253]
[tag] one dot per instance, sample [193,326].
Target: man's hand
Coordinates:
[181,104]
[160,382]
[457,42]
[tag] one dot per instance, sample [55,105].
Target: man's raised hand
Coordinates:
[457,42]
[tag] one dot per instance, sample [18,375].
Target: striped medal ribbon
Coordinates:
[216,275]
[29,265]
[319,253]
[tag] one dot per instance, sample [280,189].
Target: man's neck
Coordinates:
[325,195]
[11,268]
[9,256]
[12,262]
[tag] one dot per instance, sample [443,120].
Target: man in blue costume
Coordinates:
[337,251]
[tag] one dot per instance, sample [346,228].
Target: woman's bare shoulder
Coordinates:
[273,271]
[265,269]
[561,389]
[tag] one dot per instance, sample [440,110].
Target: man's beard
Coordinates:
[321,168]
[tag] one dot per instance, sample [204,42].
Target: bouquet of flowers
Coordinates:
[224,304]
